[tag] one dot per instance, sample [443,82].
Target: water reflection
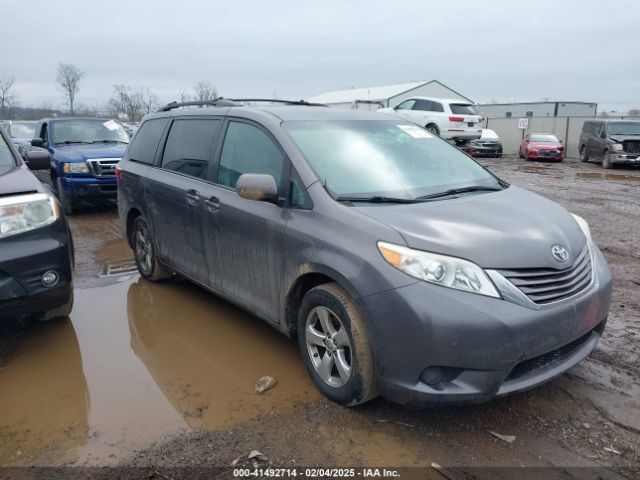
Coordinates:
[206,355]
[44,402]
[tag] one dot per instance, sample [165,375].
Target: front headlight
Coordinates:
[584,226]
[23,213]
[617,147]
[439,269]
[75,168]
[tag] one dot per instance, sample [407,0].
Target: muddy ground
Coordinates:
[162,375]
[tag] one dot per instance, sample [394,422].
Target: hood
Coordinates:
[82,152]
[17,180]
[546,144]
[625,138]
[509,229]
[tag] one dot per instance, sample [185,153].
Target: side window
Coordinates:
[189,147]
[297,192]
[425,105]
[437,107]
[144,145]
[408,105]
[44,134]
[247,149]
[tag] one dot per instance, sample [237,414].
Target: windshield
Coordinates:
[544,138]
[23,129]
[6,157]
[88,131]
[384,158]
[624,128]
[489,135]
[463,109]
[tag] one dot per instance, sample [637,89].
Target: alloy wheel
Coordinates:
[144,248]
[328,346]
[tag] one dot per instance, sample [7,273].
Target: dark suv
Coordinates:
[611,142]
[401,265]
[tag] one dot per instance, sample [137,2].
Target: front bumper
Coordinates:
[628,158]
[480,150]
[484,347]
[90,188]
[533,154]
[23,261]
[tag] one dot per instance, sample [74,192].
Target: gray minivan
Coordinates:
[403,267]
[611,142]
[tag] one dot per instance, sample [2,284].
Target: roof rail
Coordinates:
[230,102]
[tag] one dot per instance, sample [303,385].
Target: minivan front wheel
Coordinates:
[334,343]
[144,253]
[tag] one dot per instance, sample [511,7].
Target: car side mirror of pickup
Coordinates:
[258,187]
[38,160]
[37,142]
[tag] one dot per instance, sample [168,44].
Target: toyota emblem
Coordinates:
[560,253]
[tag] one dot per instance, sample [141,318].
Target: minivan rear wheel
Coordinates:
[334,343]
[144,253]
[583,154]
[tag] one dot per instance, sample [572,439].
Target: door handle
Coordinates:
[192,197]
[212,204]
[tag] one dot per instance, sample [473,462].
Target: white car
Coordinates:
[452,119]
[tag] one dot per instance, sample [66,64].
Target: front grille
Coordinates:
[545,285]
[103,167]
[631,146]
[548,359]
[548,153]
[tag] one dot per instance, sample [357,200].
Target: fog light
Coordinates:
[50,278]
[432,375]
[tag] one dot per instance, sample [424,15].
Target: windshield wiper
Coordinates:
[376,199]
[69,142]
[456,191]
[108,141]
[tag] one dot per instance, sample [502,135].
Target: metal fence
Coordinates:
[566,129]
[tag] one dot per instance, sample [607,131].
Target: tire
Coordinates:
[65,200]
[354,383]
[606,160]
[144,253]
[433,128]
[583,154]
[58,313]
[520,153]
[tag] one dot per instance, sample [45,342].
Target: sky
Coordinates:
[489,50]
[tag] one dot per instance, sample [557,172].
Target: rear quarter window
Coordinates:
[145,143]
[463,109]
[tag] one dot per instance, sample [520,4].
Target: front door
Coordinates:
[176,192]
[247,263]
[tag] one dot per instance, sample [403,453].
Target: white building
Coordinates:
[538,109]
[387,95]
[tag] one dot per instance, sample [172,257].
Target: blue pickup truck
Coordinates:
[84,154]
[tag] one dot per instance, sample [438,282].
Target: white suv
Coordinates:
[452,119]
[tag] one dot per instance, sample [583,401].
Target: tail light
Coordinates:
[118,173]
[456,119]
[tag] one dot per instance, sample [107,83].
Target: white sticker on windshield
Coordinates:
[111,125]
[415,131]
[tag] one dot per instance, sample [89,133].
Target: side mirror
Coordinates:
[37,142]
[258,187]
[38,160]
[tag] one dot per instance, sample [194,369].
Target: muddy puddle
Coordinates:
[616,177]
[135,362]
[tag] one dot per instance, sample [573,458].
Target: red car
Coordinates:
[541,146]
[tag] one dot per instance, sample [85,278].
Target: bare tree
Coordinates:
[6,97]
[184,96]
[205,92]
[68,78]
[131,103]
